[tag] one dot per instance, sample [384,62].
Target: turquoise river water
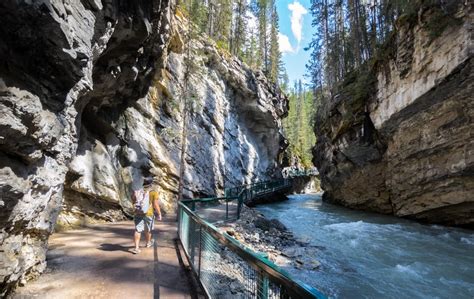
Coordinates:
[365,255]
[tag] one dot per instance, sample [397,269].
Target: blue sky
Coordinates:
[295,35]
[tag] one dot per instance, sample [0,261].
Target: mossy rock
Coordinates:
[176,44]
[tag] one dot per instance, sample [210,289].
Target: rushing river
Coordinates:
[367,255]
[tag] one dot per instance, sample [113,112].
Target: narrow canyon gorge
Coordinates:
[95,95]
[91,101]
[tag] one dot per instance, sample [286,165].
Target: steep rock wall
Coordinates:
[234,133]
[408,149]
[49,51]
[90,98]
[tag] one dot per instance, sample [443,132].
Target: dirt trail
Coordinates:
[96,262]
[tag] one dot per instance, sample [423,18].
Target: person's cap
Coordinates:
[147,181]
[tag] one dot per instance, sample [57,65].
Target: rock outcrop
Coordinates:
[91,101]
[51,53]
[306,184]
[234,132]
[408,147]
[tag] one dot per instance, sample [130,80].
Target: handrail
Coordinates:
[209,199]
[290,172]
[295,288]
[242,193]
[282,183]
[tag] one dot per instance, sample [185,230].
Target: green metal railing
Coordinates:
[215,209]
[224,266]
[255,190]
[296,172]
[226,208]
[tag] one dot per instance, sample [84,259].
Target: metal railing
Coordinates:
[212,209]
[215,209]
[290,172]
[255,190]
[224,266]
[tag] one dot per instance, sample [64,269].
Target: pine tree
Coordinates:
[348,33]
[263,35]
[275,55]
[238,37]
[251,50]
[225,21]
[298,124]
[284,80]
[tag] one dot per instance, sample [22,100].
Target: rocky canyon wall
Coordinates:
[407,148]
[91,100]
[234,132]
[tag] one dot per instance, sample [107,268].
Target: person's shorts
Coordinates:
[144,223]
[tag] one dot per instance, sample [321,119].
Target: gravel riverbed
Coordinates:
[271,237]
[226,275]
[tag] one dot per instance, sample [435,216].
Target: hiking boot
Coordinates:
[149,244]
[136,250]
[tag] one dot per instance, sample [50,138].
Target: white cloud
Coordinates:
[284,44]
[297,13]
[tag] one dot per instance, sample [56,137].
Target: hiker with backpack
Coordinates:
[145,202]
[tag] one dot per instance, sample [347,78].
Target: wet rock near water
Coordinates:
[270,237]
[306,184]
[232,277]
[267,225]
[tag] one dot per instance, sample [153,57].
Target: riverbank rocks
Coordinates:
[407,149]
[270,238]
[267,225]
[91,96]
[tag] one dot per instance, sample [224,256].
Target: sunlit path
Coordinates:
[96,262]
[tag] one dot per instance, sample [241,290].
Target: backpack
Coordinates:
[142,203]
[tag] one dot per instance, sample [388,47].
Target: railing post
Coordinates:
[200,250]
[262,290]
[284,294]
[179,221]
[226,209]
[192,241]
[239,205]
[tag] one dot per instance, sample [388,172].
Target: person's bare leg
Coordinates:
[148,237]
[136,239]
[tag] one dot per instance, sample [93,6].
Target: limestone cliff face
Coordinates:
[50,52]
[409,149]
[91,101]
[234,133]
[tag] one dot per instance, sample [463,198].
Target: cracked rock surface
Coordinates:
[91,101]
[409,149]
